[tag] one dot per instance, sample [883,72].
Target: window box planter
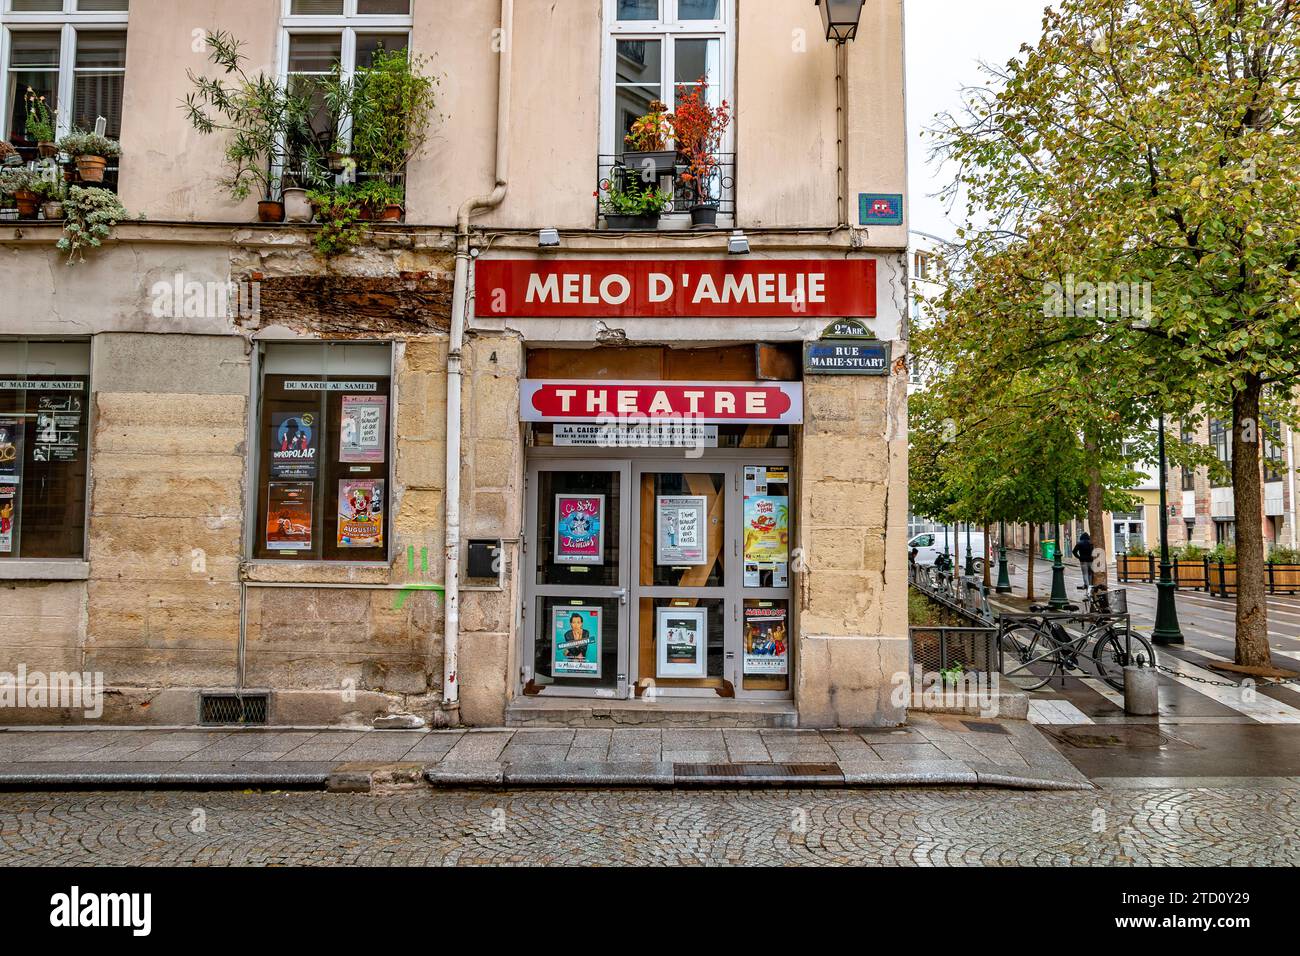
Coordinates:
[660,162]
[632,223]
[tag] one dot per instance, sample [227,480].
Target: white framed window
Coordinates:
[319,35]
[72,52]
[652,47]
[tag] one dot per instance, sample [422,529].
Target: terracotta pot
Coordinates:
[392,212]
[366,212]
[270,210]
[47,150]
[52,211]
[296,206]
[91,168]
[26,201]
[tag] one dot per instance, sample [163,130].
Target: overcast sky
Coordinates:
[945,41]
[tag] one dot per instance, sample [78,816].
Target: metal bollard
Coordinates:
[1141,691]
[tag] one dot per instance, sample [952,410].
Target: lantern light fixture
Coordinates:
[841,18]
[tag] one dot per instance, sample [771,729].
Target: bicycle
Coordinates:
[1041,649]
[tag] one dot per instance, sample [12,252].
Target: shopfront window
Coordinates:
[324,467]
[44,420]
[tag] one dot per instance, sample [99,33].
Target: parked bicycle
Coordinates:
[1037,648]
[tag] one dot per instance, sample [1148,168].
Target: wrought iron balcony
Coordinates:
[719,186]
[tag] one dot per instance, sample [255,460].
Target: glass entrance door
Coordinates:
[576,620]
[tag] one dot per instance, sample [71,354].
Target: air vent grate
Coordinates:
[233,708]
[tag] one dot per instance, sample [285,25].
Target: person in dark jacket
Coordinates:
[1085,553]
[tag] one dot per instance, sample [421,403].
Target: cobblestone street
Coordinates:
[1139,827]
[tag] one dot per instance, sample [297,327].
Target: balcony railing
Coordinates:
[719,187]
[9,210]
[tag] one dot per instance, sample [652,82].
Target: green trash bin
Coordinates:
[1049,550]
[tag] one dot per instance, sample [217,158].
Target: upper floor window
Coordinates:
[1221,442]
[1188,436]
[1274,464]
[70,52]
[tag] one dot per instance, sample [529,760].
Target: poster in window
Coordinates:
[767,644]
[767,529]
[58,428]
[289,516]
[680,538]
[361,429]
[361,514]
[682,642]
[11,449]
[579,529]
[8,516]
[575,642]
[294,445]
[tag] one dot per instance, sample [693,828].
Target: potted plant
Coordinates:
[21,185]
[338,214]
[698,128]
[50,193]
[646,151]
[8,155]
[381,201]
[307,173]
[40,124]
[91,215]
[90,152]
[628,206]
[261,118]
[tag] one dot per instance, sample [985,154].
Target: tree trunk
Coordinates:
[1247,493]
[987,556]
[1029,588]
[1096,514]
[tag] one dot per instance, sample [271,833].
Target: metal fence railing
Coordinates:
[719,186]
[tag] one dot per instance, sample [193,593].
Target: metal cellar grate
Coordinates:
[233,708]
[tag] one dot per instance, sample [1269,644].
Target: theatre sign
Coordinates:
[705,403]
[676,288]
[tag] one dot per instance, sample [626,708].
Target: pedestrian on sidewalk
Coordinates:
[1084,552]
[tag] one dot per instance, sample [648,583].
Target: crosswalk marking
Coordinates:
[1263,709]
[1056,712]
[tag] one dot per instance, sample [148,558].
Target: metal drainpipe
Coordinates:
[842,128]
[1290,467]
[460,291]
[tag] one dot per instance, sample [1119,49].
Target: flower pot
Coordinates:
[91,168]
[47,150]
[296,206]
[656,164]
[270,210]
[392,213]
[630,223]
[26,201]
[52,210]
[366,212]
[336,162]
[704,216]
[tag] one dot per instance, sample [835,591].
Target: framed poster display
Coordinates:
[682,642]
[579,529]
[575,642]
[680,529]
[767,645]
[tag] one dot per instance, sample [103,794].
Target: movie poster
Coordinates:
[682,639]
[575,642]
[361,429]
[11,449]
[579,529]
[681,529]
[361,513]
[289,516]
[8,516]
[767,647]
[294,445]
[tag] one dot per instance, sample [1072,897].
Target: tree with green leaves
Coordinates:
[1152,145]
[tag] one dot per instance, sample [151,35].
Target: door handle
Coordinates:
[622,596]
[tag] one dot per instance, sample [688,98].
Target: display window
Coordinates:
[44,451]
[324,462]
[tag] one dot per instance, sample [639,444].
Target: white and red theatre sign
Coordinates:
[708,403]
[676,288]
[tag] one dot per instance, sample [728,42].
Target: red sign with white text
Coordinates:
[716,403]
[676,288]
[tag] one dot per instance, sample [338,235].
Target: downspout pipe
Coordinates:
[460,293]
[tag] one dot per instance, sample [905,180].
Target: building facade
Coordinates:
[502,462]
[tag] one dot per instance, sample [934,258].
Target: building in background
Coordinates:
[669,492]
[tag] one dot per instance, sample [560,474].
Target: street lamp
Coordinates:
[1004,579]
[1166,630]
[1058,600]
[840,17]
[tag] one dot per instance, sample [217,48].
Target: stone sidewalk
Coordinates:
[932,750]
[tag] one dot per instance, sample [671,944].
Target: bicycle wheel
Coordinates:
[1029,657]
[1110,656]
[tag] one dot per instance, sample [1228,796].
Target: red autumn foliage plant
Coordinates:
[698,128]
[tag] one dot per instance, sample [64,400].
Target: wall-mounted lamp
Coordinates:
[841,17]
[548,239]
[738,244]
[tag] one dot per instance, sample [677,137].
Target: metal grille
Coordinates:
[233,708]
[940,648]
[756,769]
